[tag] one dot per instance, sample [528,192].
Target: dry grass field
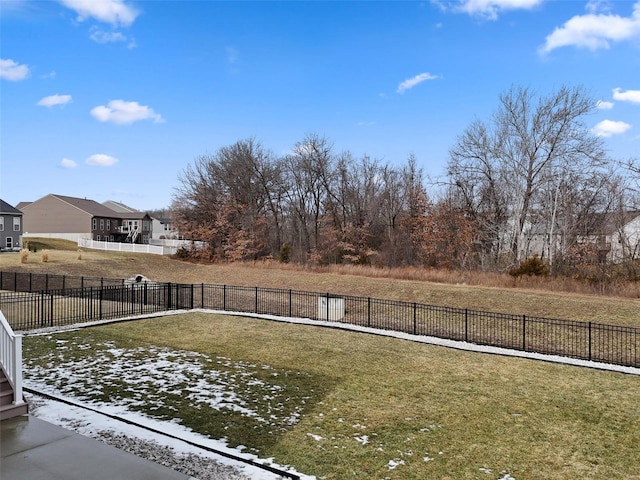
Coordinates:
[494,293]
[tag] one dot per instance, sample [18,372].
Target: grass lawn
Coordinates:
[339,405]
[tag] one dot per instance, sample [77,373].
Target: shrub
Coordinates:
[285,253]
[533,266]
[24,255]
[45,256]
[79,254]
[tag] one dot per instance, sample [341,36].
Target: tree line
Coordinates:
[532,178]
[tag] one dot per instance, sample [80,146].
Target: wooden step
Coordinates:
[7,408]
[10,411]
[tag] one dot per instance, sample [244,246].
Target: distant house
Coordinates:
[614,236]
[10,227]
[72,218]
[137,225]
[163,228]
[619,237]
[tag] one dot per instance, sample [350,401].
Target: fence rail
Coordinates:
[100,299]
[126,247]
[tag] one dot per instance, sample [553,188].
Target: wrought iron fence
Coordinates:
[111,299]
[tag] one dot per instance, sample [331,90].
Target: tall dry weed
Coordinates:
[45,256]
[24,255]
[627,289]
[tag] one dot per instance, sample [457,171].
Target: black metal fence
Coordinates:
[35,282]
[112,299]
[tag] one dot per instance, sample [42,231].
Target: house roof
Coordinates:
[89,206]
[6,208]
[132,215]
[118,207]
[21,205]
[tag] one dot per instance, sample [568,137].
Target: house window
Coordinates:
[95,224]
[9,242]
[1,224]
[145,225]
[108,224]
[102,224]
[16,224]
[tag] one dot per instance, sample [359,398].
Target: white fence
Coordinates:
[11,358]
[126,247]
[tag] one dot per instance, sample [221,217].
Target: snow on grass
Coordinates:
[92,424]
[154,387]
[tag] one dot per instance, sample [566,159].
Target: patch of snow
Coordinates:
[364,439]
[393,464]
[92,424]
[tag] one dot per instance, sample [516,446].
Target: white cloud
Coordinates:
[100,36]
[594,31]
[595,6]
[101,160]
[68,163]
[412,82]
[487,8]
[608,128]
[10,70]
[632,96]
[604,105]
[122,112]
[53,100]
[114,12]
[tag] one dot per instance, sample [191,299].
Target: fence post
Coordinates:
[51,310]
[466,325]
[327,307]
[589,341]
[256,302]
[290,302]
[368,311]
[30,282]
[202,295]
[42,309]
[224,297]
[192,296]
[89,303]
[524,333]
[100,298]
[415,323]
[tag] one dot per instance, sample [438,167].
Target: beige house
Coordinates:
[72,218]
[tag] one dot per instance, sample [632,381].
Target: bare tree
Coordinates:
[502,167]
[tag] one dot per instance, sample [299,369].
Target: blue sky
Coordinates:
[112,99]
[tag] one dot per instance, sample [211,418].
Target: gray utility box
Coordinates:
[330,307]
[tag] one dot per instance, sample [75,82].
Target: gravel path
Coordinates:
[198,467]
